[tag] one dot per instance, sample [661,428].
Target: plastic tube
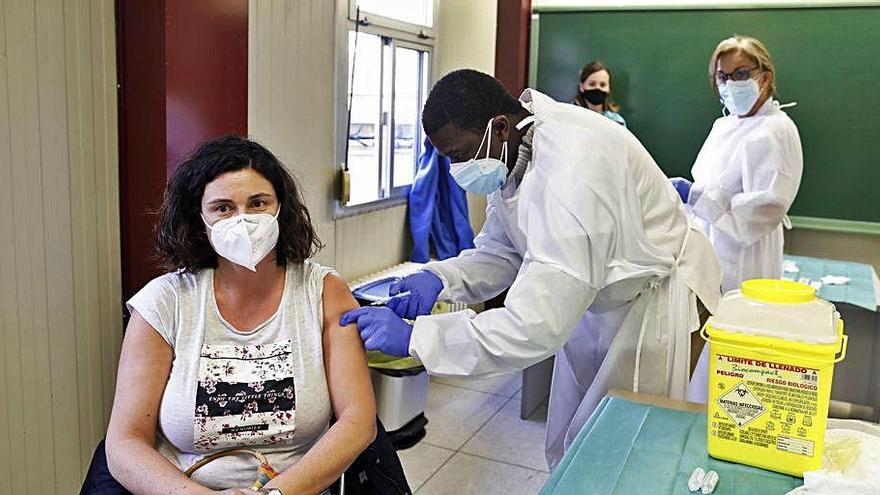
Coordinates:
[696,481]
[710,481]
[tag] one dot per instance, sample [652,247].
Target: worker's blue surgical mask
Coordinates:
[739,96]
[482,175]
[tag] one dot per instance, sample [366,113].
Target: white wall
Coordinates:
[60,314]
[291,109]
[466,39]
[862,248]
[465,36]
[290,96]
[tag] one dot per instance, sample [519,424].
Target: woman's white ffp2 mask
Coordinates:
[482,175]
[244,239]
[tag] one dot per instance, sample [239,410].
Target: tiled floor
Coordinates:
[476,442]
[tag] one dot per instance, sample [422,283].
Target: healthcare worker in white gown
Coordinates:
[747,174]
[602,264]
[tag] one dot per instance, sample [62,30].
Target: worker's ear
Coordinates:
[767,80]
[501,128]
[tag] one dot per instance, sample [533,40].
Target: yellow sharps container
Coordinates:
[772,349]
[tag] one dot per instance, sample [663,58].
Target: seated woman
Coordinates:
[239,345]
[594,91]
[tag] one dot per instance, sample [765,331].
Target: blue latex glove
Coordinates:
[381,330]
[415,294]
[683,187]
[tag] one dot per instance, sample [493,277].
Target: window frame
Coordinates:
[371,19]
[403,35]
[418,132]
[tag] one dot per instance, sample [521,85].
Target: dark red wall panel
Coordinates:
[182,69]
[141,76]
[206,78]
[512,44]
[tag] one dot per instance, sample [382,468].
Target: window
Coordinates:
[388,87]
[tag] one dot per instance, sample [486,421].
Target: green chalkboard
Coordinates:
[827,60]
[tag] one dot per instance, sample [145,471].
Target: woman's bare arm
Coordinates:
[144,366]
[351,395]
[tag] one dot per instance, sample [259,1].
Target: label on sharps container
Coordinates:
[765,404]
[795,445]
[741,405]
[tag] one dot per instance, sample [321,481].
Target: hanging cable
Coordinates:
[357,25]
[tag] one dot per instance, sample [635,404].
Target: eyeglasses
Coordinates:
[742,74]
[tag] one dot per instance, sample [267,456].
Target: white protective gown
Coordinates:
[602,261]
[745,178]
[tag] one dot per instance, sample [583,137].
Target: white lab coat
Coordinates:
[594,225]
[745,178]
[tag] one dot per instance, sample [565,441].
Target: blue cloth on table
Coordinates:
[858,292]
[628,448]
[438,210]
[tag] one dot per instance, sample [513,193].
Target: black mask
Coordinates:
[595,96]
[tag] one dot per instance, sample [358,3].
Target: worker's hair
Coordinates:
[181,237]
[750,47]
[468,99]
[588,70]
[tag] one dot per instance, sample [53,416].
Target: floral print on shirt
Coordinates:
[245,396]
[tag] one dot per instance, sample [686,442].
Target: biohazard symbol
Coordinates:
[741,405]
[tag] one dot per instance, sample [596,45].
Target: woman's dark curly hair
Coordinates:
[181,238]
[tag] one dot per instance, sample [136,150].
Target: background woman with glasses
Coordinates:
[748,172]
